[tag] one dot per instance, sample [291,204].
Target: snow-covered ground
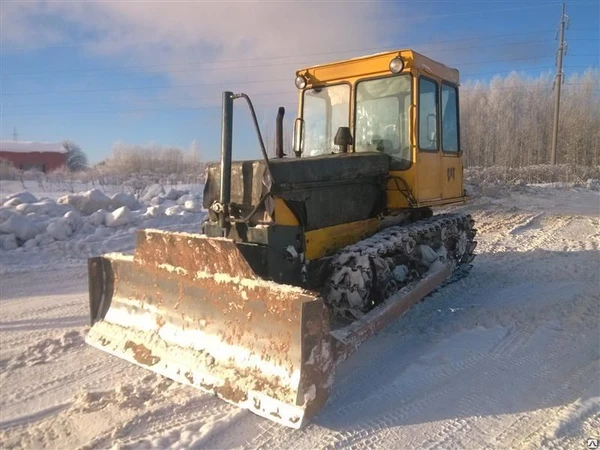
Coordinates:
[508,357]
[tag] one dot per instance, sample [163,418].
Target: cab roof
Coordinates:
[374,65]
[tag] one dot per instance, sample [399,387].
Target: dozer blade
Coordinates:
[191,308]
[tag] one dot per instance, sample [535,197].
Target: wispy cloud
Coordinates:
[237,41]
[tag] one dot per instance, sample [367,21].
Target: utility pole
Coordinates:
[558,80]
[15,134]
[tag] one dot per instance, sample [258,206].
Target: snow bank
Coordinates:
[21,227]
[152,191]
[8,242]
[87,202]
[59,229]
[123,199]
[119,217]
[27,223]
[18,198]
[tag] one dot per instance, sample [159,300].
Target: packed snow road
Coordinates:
[505,358]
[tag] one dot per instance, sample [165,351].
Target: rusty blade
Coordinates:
[191,252]
[260,345]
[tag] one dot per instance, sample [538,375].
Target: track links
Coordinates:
[368,272]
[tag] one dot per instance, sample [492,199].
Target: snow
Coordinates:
[22,227]
[65,228]
[507,357]
[8,242]
[87,202]
[152,191]
[30,147]
[59,229]
[121,216]
[124,199]
[19,197]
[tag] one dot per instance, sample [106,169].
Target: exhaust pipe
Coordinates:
[279,133]
[226,146]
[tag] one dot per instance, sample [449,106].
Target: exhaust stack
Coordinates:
[279,133]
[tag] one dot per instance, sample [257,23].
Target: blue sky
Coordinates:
[146,71]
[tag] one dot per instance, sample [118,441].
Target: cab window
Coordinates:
[449,119]
[382,118]
[428,114]
[325,110]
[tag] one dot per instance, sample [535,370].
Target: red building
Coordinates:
[24,155]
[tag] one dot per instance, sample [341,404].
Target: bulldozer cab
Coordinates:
[400,103]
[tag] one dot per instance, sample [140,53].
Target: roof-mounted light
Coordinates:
[396,65]
[300,82]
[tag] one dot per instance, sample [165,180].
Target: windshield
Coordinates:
[382,118]
[325,110]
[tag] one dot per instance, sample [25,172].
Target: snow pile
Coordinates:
[123,199]
[121,216]
[22,227]
[87,202]
[18,198]
[27,222]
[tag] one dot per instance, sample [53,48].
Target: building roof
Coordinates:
[30,147]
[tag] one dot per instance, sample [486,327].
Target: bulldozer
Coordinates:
[305,254]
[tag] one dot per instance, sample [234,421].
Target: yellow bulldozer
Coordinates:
[303,256]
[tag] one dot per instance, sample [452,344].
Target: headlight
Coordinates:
[396,65]
[300,82]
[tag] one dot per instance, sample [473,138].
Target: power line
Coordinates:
[201,107]
[281,64]
[299,63]
[127,111]
[152,66]
[431,16]
[162,86]
[525,86]
[229,82]
[149,100]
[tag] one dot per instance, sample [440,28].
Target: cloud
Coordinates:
[206,42]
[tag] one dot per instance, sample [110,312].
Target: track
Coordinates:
[485,362]
[374,269]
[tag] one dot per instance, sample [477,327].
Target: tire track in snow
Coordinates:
[430,382]
[501,354]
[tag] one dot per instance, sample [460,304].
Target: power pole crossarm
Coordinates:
[557,83]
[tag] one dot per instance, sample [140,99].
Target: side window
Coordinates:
[449,119]
[428,111]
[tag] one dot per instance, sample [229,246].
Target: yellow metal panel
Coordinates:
[377,64]
[283,215]
[452,176]
[395,198]
[326,241]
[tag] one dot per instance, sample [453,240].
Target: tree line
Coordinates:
[508,121]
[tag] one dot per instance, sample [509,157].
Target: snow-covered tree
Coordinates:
[76,158]
[508,121]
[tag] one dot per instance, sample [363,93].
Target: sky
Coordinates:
[101,72]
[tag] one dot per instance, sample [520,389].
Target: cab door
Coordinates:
[452,168]
[429,164]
